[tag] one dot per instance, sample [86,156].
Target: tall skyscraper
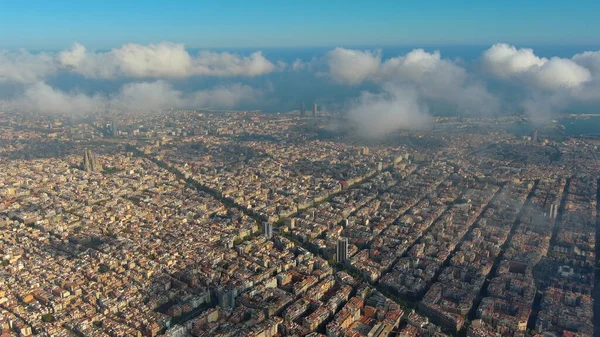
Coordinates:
[268,230]
[315,108]
[342,250]
[302,110]
[114,128]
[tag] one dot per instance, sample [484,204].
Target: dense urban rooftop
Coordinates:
[250,224]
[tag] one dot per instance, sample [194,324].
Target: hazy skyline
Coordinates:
[397,91]
[86,57]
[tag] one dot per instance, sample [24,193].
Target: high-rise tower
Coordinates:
[114,128]
[268,230]
[342,250]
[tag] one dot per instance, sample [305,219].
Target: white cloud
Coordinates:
[541,107]
[418,65]
[551,74]
[40,97]
[433,78]
[24,67]
[439,80]
[226,64]
[298,65]
[590,60]
[561,73]
[505,60]
[73,57]
[160,95]
[131,60]
[550,84]
[147,96]
[395,108]
[154,60]
[353,66]
[139,97]
[162,60]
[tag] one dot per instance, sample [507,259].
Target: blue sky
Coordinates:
[42,24]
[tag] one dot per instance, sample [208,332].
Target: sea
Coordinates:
[581,126]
